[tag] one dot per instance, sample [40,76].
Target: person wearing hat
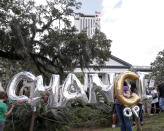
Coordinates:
[125,124]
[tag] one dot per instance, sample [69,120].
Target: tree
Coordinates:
[31,34]
[158,67]
[101,46]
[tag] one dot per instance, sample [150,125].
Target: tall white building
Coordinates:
[87,23]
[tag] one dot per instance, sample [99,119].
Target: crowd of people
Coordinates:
[146,109]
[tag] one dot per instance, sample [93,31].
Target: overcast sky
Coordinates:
[136,28]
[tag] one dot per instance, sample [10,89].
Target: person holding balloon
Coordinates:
[125,123]
[3,110]
[134,90]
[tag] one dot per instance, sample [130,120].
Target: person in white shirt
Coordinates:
[155,102]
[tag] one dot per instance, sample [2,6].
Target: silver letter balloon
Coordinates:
[26,87]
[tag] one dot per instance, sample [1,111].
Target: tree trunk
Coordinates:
[32,121]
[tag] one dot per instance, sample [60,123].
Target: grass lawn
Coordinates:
[151,123]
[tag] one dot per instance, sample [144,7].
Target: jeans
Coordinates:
[140,114]
[2,125]
[161,103]
[125,123]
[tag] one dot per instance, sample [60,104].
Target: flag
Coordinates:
[98,13]
[97,19]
